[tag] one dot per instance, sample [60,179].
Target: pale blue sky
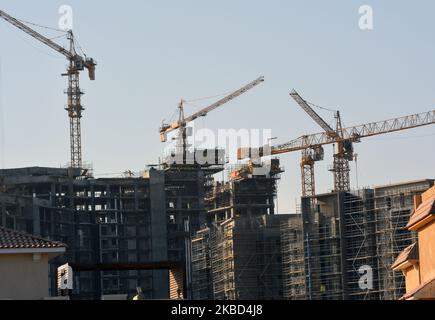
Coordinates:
[152,53]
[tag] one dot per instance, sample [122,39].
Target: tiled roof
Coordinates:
[408,254]
[424,291]
[11,239]
[423,211]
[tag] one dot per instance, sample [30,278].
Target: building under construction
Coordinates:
[102,221]
[112,222]
[238,254]
[250,192]
[293,259]
[348,235]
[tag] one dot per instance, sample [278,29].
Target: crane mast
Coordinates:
[310,156]
[77,63]
[182,121]
[342,156]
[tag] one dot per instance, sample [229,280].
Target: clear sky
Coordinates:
[152,53]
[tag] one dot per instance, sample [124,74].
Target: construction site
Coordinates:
[346,232]
[196,227]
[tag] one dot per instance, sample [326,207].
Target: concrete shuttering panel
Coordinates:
[237,255]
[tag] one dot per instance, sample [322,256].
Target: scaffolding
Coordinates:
[292,248]
[250,192]
[245,259]
[351,239]
[359,230]
[323,249]
[202,282]
[238,254]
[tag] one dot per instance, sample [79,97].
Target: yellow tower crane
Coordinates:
[312,145]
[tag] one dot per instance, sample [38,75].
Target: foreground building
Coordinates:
[417,262]
[24,261]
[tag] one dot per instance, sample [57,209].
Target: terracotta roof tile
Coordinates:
[424,210]
[11,239]
[409,253]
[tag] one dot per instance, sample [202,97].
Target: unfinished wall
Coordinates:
[101,220]
[239,258]
[238,254]
[22,277]
[393,207]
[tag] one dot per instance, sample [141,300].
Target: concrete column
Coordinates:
[159,235]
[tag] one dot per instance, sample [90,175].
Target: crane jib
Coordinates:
[202,113]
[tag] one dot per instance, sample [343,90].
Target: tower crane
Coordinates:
[344,137]
[77,63]
[342,156]
[182,122]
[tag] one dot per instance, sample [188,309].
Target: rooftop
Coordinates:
[11,239]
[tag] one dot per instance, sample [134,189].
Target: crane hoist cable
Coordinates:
[41,26]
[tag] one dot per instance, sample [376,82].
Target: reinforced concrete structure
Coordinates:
[239,258]
[238,254]
[350,240]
